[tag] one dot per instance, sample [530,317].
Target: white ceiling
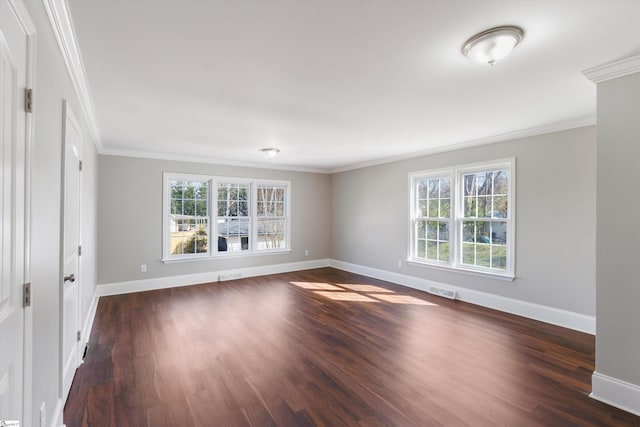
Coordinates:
[336,84]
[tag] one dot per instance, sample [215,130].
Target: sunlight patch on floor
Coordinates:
[317,286]
[346,296]
[365,288]
[361,293]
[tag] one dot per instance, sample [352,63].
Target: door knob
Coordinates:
[70,278]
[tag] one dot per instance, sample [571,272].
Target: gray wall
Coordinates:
[51,87]
[130,218]
[618,232]
[555,218]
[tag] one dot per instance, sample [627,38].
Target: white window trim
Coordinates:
[166,210]
[287,206]
[440,173]
[455,230]
[212,251]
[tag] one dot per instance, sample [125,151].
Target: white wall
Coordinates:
[555,219]
[130,218]
[52,86]
[617,378]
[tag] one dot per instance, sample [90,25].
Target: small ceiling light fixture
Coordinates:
[269,153]
[493,44]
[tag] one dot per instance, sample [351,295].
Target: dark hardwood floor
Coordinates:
[328,348]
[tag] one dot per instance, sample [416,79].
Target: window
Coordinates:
[271,216]
[189,216]
[463,218]
[433,218]
[233,217]
[240,216]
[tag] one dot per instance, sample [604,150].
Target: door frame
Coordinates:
[29,29]
[68,117]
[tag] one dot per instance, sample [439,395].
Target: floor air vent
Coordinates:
[447,293]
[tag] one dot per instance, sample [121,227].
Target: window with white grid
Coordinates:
[271,216]
[464,218]
[208,216]
[432,218]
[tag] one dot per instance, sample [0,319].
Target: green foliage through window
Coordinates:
[462,217]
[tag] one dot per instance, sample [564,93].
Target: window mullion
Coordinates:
[253,218]
[213,217]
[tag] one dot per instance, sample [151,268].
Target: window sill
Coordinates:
[224,256]
[507,277]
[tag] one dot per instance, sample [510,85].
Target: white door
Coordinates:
[13,167]
[70,253]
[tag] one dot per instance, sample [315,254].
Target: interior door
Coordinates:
[13,66]
[70,251]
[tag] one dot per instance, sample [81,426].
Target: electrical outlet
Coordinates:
[399,263]
[306,252]
[143,268]
[43,414]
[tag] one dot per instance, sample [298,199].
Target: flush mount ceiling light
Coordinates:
[493,44]
[269,153]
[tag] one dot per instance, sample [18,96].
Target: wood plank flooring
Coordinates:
[328,348]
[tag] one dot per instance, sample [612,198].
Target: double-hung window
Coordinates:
[233,221]
[463,218]
[271,216]
[188,217]
[208,216]
[433,217]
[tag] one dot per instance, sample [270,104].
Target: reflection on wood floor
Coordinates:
[328,348]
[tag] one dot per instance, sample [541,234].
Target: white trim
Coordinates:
[30,30]
[455,175]
[555,316]
[62,25]
[508,136]
[56,419]
[613,70]
[524,133]
[69,121]
[615,392]
[446,267]
[166,210]
[208,277]
[213,182]
[88,320]
[178,157]
[223,255]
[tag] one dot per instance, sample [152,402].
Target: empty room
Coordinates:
[319,213]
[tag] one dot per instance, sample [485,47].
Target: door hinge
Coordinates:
[78,336]
[28,100]
[26,295]
[79,250]
[80,166]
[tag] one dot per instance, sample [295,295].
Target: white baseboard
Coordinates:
[555,316]
[210,276]
[91,314]
[56,417]
[615,392]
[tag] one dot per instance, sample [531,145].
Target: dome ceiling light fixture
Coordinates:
[269,153]
[493,44]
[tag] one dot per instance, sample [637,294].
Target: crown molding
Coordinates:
[62,26]
[176,157]
[613,70]
[523,133]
